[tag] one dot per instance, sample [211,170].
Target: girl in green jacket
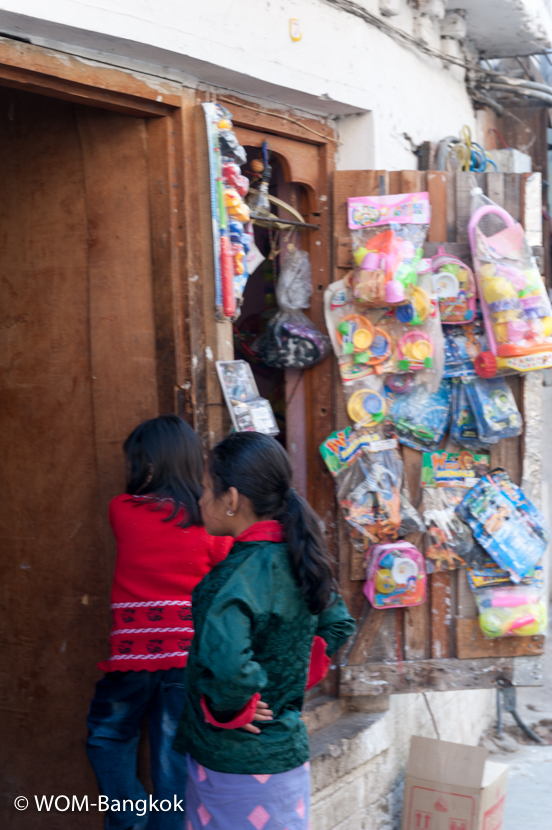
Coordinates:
[256,616]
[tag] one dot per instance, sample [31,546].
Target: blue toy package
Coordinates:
[494,408]
[421,417]
[462,345]
[463,425]
[505,523]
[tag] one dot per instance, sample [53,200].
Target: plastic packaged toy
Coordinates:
[506,523]
[454,284]
[387,234]
[395,576]
[463,423]
[515,305]
[249,412]
[445,478]
[291,340]
[507,610]
[421,417]
[494,408]
[368,472]
[463,344]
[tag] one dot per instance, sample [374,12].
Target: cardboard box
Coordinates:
[452,787]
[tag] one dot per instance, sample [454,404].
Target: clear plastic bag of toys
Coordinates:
[395,576]
[421,417]
[387,234]
[291,340]
[514,301]
[445,479]
[507,610]
[463,423]
[505,523]
[494,408]
[369,477]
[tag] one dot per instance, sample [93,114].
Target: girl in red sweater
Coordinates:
[163,552]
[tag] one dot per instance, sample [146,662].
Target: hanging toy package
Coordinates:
[515,305]
[387,235]
[464,425]
[494,408]
[445,479]
[421,417]
[395,576]
[369,474]
[228,210]
[291,340]
[507,610]
[506,523]
[454,284]
[462,345]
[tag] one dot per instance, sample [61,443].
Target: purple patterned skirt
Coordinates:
[224,801]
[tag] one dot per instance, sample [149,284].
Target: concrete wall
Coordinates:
[358,762]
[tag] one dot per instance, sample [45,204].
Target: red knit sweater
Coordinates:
[158,566]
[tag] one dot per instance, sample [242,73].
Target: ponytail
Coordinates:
[259,468]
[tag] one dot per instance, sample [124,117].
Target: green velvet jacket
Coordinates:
[253,633]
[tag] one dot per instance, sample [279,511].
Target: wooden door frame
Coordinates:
[188,339]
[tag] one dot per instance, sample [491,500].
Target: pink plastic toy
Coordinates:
[395,576]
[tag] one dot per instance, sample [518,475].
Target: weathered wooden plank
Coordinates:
[512,195]
[413,181]
[441,616]
[495,187]
[470,643]
[366,635]
[416,620]
[437,189]
[465,603]
[451,207]
[343,252]
[381,678]
[349,183]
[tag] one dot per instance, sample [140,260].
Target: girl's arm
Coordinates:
[229,677]
[335,625]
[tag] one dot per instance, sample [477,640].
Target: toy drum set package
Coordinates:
[395,576]
[228,210]
[515,305]
[507,610]
[445,478]
[368,471]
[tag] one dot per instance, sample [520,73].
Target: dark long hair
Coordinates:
[259,468]
[169,451]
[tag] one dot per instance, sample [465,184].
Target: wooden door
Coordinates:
[78,371]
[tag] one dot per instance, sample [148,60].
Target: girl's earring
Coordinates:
[229,513]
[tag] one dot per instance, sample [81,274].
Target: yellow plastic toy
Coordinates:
[384,581]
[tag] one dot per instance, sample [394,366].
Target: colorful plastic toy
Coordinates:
[366,407]
[363,342]
[494,408]
[415,352]
[516,308]
[454,284]
[395,576]
[421,417]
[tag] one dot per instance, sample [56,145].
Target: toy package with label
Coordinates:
[421,417]
[506,523]
[387,235]
[463,344]
[369,478]
[463,424]
[507,610]
[514,301]
[445,478]
[395,576]
[454,284]
[494,408]
[248,410]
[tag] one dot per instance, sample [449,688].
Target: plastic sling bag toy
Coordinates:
[506,523]
[395,576]
[463,425]
[515,305]
[387,235]
[454,284]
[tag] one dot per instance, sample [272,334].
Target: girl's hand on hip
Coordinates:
[262,713]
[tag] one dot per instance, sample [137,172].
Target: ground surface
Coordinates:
[529,794]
